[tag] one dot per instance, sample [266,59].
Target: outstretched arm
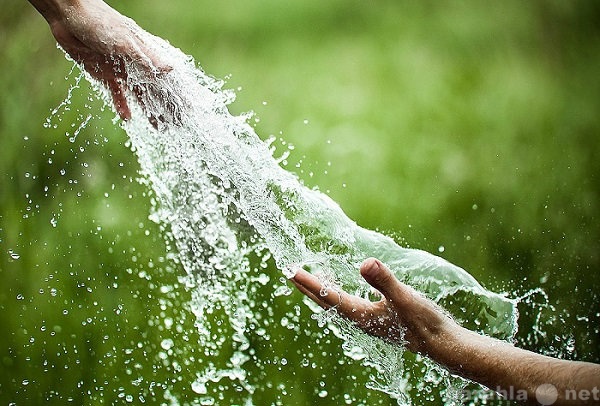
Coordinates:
[103,42]
[405,316]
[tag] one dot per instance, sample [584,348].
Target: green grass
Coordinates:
[468,126]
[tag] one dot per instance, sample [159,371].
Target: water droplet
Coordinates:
[199,387]
[290,271]
[282,291]
[263,278]
[166,344]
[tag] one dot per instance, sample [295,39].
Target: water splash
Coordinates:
[227,207]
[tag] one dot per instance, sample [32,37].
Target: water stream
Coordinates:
[227,209]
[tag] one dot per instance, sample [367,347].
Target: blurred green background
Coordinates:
[468,129]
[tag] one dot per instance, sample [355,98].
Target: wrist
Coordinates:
[441,341]
[470,355]
[428,330]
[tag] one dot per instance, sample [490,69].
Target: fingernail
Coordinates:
[371,267]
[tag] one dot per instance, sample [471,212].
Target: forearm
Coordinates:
[53,9]
[510,370]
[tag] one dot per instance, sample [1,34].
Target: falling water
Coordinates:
[227,208]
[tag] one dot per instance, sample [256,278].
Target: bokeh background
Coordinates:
[468,129]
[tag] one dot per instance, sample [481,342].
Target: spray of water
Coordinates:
[227,208]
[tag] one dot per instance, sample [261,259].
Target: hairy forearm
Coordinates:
[502,367]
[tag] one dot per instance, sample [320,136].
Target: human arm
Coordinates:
[103,42]
[51,10]
[406,317]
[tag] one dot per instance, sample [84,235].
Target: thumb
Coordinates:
[381,278]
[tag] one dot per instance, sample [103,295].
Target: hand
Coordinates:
[402,315]
[105,43]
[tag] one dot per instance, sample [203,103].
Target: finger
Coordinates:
[118,91]
[147,101]
[381,278]
[312,285]
[310,295]
[348,305]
